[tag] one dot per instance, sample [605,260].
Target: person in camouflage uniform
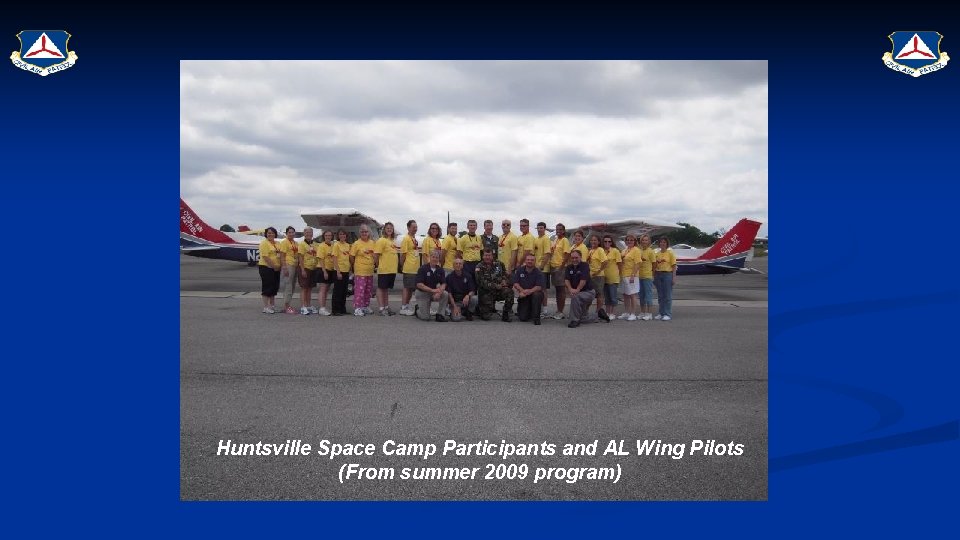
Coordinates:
[493,283]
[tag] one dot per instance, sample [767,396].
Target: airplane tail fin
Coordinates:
[191,224]
[739,239]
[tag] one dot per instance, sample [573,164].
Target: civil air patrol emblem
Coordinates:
[915,53]
[43,52]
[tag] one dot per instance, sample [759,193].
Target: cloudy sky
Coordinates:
[576,142]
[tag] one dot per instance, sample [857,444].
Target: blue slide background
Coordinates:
[863,289]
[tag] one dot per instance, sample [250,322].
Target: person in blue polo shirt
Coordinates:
[431,287]
[580,290]
[528,283]
[462,291]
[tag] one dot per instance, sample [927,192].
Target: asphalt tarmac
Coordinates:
[247,377]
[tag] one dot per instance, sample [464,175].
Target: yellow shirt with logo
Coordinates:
[541,245]
[560,248]
[450,245]
[646,267]
[341,250]
[612,273]
[508,244]
[431,244]
[308,254]
[325,254]
[362,251]
[269,254]
[389,258]
[583,249]
[525,243]
[666,260]
[290,252]
[595,258]
[470,247]
[410,248]
[631,262]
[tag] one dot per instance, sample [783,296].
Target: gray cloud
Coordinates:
[559,141]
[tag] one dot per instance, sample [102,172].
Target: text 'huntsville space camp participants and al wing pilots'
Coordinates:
[503,450]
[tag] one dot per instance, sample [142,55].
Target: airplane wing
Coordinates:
[332,218]
[198,248]
[637,226]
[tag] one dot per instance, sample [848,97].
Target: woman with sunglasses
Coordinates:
[629,280]
[597,260]
[611,275]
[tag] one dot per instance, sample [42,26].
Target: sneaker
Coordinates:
[573,324]
[406,311]
[313,310]
[505,317]
[647,317]
[390,311]
[305,311]
[440,318]
[623,316]
[603,315]
[269,310]
[368,310]
[631,317]
[658,317]
[558,315]
[665,318]
[290,310]
[323,311]
[359,312]
[433,311]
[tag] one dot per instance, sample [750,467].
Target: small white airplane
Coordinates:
[726,256]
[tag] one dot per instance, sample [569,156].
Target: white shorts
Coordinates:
[627,288]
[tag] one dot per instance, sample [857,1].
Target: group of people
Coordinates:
[466,275]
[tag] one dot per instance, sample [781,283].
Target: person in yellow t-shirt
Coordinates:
[410,265]
[325,270]
[433,242]
[269,265]
[288,273]
[597,259]
[577,244]
[664,278]
[559,253]
[525,243]
[307,273]
[611,275]
[646,278]
[541,248]
[507,247]
[629,278]
[468,248]
[341,263]
[386,255]
[361,256]
[449,252]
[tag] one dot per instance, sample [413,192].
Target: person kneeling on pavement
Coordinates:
[493,283]
[462,291]
[580,290]
[528,283]
[431,287]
